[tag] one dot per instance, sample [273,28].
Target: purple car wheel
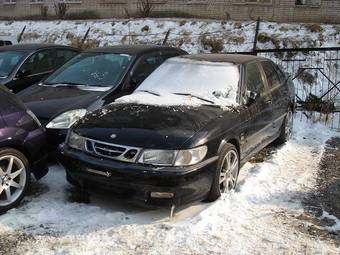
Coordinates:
[14,178]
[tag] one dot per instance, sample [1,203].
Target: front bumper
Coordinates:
[136,182]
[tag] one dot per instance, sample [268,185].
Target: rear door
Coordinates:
[259,127]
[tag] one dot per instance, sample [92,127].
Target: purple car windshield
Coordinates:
[8,61]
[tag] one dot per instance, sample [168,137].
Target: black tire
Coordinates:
[24,176]
[286,128]
[215,191]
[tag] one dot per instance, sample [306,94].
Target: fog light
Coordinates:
[161,195]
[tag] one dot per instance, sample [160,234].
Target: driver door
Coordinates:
[34,69]
[258,107]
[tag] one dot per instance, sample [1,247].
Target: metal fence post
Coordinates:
[21,34]
[256,35]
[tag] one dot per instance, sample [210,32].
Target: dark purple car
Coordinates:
[21,140]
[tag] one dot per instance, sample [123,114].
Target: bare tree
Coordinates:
[145,7]
[60,9]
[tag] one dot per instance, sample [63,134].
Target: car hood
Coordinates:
[47,101]
[162,127]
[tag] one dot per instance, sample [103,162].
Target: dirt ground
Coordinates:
[325,196]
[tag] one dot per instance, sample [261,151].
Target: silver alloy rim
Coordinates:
[289,124]
[12,179]
[229,171]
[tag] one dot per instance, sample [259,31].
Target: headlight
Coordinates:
[76,141]
[66,119]
[173,157]
[31,114]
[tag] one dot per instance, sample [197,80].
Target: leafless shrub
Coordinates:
[214,44]
[314,28]
[77,41]
[145,7]
[182,23]
[60,9]
[307,77]
[263,38]
[236,39]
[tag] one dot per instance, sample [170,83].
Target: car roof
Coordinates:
[228,58]
[134,49]
[33,47]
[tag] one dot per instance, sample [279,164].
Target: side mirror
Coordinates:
[251,97]
[22,73]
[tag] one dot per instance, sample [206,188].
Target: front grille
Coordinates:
[112,151]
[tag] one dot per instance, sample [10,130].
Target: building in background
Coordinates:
[321,11]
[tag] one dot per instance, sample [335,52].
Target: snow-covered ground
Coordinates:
[196,36]
[191,35]
[258,218]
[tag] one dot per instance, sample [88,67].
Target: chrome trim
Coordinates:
[106,174]
[96,146]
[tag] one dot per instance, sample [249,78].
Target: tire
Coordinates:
[218,187]
[286,128]
[14,178]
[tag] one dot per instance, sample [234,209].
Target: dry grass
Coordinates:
[215,45]
[314,28]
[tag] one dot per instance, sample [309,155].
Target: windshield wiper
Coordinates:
[65,84]
[198,97]
[150,92]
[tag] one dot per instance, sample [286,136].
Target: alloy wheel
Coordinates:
[12,179]
[229,172]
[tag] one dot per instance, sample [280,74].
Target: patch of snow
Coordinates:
[253,219]
[335,227]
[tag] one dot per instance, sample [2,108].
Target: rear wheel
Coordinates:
[286,129]
[227,172]
[14,178]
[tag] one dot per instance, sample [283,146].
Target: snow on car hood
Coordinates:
[188,82]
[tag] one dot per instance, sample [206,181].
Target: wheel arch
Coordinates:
[232,140]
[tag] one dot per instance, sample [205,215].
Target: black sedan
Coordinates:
[23,65]
[90,80]
[185,132]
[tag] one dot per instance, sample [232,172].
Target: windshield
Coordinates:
[8,62]
[184,81]
[92,69]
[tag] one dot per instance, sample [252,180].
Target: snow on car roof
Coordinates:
[231,58]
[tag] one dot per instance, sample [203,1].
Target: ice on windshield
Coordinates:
[188,82]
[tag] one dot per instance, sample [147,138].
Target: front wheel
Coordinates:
[14,178]
[226,175]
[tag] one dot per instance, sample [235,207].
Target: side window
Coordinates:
[145,67]
[62,56]
[40,62]
[271,74]
[254,81]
